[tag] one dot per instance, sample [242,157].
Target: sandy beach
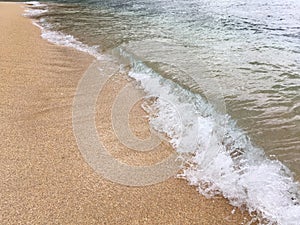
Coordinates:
[43,176]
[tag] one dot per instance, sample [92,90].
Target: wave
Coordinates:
[219,157]
[36,9]
[57,37]
[60,38]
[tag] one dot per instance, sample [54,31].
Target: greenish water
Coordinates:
[249,53]
[243,57]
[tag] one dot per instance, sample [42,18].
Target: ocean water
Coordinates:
[230,69]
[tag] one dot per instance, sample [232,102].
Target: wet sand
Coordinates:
[43,177]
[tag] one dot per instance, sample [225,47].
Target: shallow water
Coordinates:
[247,53]
[241,57]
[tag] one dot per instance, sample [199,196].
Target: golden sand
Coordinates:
[43,177]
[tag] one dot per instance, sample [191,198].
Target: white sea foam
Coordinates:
[35,3]
[35,9]
[222,159]
[60,38]
[34,12]
[57,37]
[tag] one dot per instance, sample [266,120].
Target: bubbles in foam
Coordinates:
[221,159]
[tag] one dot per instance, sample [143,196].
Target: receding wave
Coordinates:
[57,37]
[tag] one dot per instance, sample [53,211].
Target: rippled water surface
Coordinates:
[242,55]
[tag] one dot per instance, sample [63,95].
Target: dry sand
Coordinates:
[43,177]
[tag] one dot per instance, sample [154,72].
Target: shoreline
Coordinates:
[43,175]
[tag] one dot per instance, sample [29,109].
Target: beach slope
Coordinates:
[43,176]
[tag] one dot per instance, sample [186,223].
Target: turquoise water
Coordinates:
[242,57]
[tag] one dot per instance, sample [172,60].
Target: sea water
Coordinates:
[230,69]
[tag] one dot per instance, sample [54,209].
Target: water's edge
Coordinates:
[223,160]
